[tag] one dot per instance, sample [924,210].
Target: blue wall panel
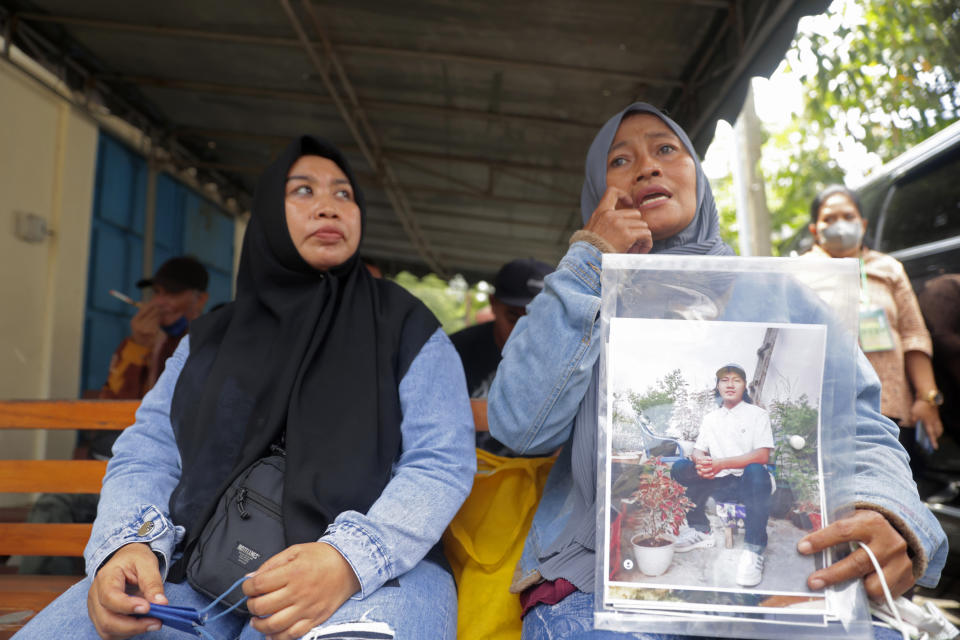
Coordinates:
[209,235]
[120,198]
[185,223]
[116,255]
[219,288]
[168,218]
[116,263]
[99,342]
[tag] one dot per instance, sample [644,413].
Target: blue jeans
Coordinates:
[423,604]
[752,489]
[572,619]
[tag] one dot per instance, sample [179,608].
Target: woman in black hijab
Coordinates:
[357,382]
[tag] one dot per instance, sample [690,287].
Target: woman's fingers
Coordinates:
[617,222]
[145,573]
[269,603]
[856,565]
[135,565]
[934,430]
[302,589]
[610,199]
[643,244]
[271,575]
[113,626]
[899,576]
[869,528]
[277,623]
[111,609]
[927,414]
[856,527]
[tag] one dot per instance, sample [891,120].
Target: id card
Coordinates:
[875,332]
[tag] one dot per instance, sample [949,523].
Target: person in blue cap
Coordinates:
[734,444]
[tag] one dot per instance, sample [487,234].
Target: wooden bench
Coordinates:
[21,596]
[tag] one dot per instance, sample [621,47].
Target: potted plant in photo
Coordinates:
[806,515]
[795,457]
[658,507]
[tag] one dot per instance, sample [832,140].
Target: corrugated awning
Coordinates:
[466,121]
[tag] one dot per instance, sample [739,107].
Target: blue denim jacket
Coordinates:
[431,477]
[536,404]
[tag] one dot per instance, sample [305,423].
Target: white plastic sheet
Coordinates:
[668,323]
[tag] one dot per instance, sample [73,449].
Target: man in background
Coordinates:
[179,295]
[480,346]
[940,303]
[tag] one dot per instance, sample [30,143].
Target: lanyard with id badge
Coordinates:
[875,332]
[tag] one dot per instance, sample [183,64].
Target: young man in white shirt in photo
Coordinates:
[734,444]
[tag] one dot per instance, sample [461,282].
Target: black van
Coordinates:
[913,205]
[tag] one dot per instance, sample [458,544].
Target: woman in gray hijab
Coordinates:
[645,192]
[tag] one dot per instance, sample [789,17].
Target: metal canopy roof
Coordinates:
[467,122]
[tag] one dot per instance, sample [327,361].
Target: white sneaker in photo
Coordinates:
[689,539]
[750,569]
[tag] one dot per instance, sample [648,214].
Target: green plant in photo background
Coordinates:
[797,468]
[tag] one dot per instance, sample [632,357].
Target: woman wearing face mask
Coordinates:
[892,332]
[645,192]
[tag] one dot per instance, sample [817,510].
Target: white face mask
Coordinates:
[841,236]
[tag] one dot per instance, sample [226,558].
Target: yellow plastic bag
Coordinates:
[485,541]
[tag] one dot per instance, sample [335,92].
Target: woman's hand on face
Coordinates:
[870,528]
[111,609]
[622,226]
[930,416]
[299,588]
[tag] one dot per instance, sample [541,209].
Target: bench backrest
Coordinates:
[55,476]
[72,476]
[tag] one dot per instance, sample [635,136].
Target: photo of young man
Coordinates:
[734,444]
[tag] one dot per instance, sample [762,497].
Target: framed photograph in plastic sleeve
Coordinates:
[726,433]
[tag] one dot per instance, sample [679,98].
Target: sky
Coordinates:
[642,351]
[780,97]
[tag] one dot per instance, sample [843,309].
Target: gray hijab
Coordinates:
[701,236]
[570,555]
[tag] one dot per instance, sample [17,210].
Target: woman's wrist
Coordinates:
[931,396]
[594,239]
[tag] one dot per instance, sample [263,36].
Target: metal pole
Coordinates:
[753,217]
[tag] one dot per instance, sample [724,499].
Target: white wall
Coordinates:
[48,154]
[47,163]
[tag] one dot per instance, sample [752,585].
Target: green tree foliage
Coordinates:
[726,208]
[446,299]
[891,80]
[886,81]
[664,392]
[793,185]
[796,467]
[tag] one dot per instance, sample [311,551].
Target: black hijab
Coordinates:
[313,357]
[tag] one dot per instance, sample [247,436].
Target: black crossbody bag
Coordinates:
[246,529]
